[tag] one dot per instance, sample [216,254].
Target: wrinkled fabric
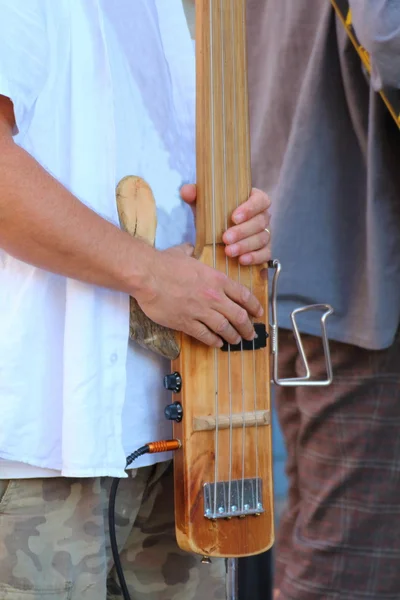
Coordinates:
[326,149]
[54,542]
[377,23]
[97,98]
[338,536]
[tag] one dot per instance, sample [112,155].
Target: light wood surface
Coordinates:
[137,214]
[239,381]
[225,431]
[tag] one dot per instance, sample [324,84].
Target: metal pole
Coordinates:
[232,579]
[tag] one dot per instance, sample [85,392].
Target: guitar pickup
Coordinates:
[259,342]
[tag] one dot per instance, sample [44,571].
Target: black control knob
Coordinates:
[173,382]
[174,412]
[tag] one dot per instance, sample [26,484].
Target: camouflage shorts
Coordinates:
[54,542]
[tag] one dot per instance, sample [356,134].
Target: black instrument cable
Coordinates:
[163,446]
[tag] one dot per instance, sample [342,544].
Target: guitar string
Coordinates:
[216,361]
[236,146]
[248,163]
[216,365]
[226,258]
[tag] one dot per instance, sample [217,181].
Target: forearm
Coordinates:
[43,224]
[377,25]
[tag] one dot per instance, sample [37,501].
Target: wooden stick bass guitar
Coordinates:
[221,398]
[221,404]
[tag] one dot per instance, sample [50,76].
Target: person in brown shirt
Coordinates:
[326,149]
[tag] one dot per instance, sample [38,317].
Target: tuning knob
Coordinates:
[173,382]
[174,412]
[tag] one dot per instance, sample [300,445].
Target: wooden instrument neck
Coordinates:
[223,473]
[223,143]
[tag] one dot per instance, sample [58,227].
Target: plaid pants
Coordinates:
[340,535]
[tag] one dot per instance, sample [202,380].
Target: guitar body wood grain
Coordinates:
[138,216]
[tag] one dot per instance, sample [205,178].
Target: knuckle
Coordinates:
[241,247]
[222,326]
[211,295]
[259,241]
[262,256]
[265,239]
[261,199]
[248,259]
[242,317]
[245,295]
[264,198]
[262,221]
[221,277]
[201,333]
[259,258]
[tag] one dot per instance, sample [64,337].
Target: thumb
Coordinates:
[188,193]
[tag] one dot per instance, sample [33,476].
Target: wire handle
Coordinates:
[328,310]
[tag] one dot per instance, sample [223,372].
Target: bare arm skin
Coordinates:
[43,224]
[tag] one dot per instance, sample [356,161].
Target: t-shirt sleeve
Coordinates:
[377,25]
[23,55]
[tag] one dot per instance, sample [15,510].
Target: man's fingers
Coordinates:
[248,228]
[254,242]
[223,328]
[257,203]
[256,258]
[205,336]
[188,193]
[240,320]
[244,298]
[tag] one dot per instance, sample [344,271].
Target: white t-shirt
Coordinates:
[101,90]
